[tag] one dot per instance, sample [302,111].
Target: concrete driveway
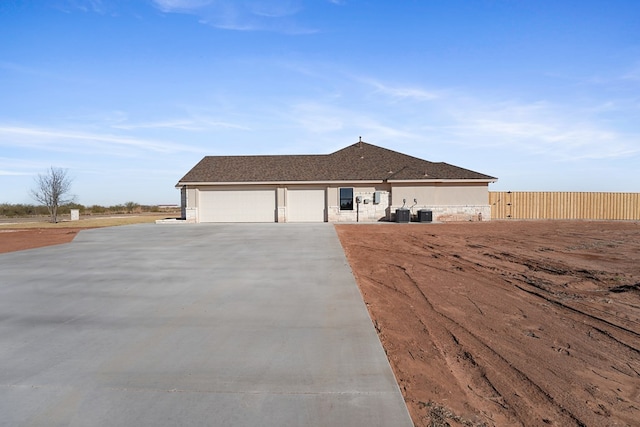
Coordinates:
[179,325]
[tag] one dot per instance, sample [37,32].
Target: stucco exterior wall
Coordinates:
[280,204]
[440,194]
[448,202]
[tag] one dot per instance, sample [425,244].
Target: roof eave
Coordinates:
[342,181]
[439,180]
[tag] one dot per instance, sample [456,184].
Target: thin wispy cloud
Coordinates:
[386,130]
[633,74]
[563,132]
[242,15]
[275,8]
[94,6]
[196,125]
[170,124]
[21,167]
[42,73]
[12,173]
[400,91]
[63,140]
[237,15]
[317,118]
[182,5]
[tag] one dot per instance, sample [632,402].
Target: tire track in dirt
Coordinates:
[611,330]
[626,327]
[454,343]
[470,342]
[558,269]
[474,373]
[582,313]
[565,272]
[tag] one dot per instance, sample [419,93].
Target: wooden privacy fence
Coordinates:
[564,205]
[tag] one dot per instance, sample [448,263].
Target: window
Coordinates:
[346,199]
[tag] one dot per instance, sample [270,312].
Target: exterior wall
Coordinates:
[440,194]
[366,211]
[280,204]
[188,207]
[191,207]
[448,202]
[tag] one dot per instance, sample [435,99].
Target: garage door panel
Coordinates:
[237,206]
[306,205]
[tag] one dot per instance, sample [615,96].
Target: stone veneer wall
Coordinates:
[366,211]
[452,213]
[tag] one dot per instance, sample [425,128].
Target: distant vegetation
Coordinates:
[24,210]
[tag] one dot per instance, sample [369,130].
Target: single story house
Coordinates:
[361,182]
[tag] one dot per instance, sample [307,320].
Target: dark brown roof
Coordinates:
[358,162]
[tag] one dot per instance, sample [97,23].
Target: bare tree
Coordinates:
[52,190]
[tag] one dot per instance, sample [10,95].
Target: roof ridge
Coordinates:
[364,144]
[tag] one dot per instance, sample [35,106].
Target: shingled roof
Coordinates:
[358,162]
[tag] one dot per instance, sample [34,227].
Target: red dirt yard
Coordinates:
[506,323]
[30,238]
[495,323]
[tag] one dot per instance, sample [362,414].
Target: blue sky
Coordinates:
[129,95]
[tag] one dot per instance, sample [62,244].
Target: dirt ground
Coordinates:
[21,239]
[506,323]
[495,323]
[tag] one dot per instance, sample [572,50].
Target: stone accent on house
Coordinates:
[191,215]
[451,213]
[368,210]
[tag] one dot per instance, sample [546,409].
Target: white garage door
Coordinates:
[305,205]
[237,206]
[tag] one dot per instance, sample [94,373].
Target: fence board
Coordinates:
[564,205]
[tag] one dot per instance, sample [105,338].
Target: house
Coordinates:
[361,182]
